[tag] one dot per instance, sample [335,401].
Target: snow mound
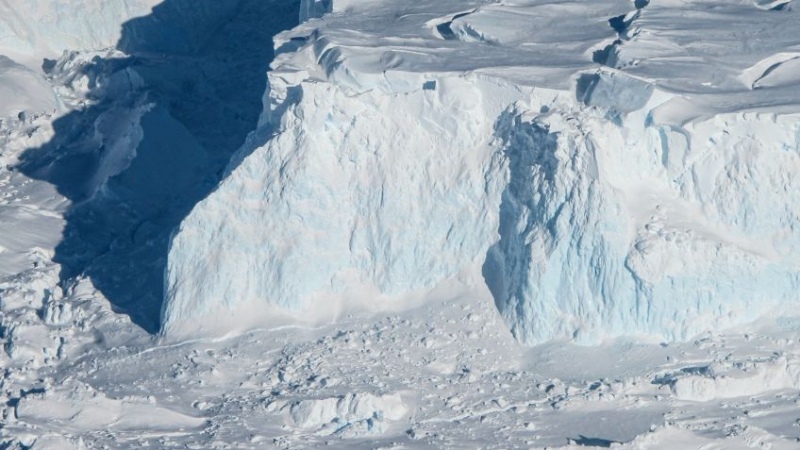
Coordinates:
[631,199]
[350,415]
[333,198]
[22,89]
[719,381]
[84,409]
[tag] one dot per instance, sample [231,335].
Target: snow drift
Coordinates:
[627,199]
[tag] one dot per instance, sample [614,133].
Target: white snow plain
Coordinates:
[425,177]
[613,173]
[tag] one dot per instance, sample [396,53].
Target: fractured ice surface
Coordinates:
[393,155]
[623,230]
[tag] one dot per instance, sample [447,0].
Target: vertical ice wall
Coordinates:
[310,9]
[623,225]
[600,207]
[348,200]
[593,219]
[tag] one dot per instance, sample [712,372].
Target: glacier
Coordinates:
[603,179]
[424,182]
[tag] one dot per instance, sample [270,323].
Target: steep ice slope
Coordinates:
[613,175]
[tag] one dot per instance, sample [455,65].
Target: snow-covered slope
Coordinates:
[48,27]
[612,174]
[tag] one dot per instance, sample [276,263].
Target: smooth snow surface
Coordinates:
[615,174]
[22,88]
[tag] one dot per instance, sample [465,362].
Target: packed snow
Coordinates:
[428,224]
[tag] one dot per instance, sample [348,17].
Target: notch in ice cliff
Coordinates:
[599,202]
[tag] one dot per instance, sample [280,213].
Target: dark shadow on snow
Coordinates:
[593,442]
[196,74]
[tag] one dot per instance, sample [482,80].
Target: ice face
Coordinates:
[602,234]
[313,9]
[599,202]
[605,227]
[346,198]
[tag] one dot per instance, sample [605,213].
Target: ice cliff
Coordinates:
[606,176]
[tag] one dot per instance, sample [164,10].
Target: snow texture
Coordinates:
[612,167]
[46,28]
[600,151]
[600,202]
